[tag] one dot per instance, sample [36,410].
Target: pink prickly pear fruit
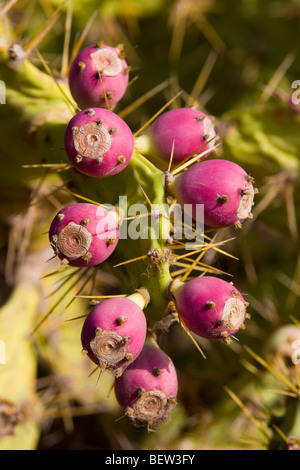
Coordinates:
[210,307]
[114,332]
[84,234]
[147,390]
[188,130]
[224,189]
[98,75]
[98,142]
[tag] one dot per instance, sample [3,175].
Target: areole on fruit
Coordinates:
[107,62]
[91,140]
[233,314]
[109,347]
[149,406]
[209,132]
[74,241]
[245,206]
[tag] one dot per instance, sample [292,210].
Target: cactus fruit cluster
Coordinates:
[99,144]
[132,213]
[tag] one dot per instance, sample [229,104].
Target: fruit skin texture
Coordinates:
[201,301]
[84,81]
[98,142]
[148,388]
[188,127]
[222,186]
[83,234]
[116,315]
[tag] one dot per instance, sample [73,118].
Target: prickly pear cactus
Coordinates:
[133,210]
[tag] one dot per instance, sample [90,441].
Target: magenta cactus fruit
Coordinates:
[98,142]
[210,307]
[84,234]
[98,76]
[190,131]
[114,332]
[147,390]
[223,187]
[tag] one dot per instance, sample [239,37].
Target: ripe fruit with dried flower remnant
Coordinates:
[84,234]
[147,390]
[224,189]
[99,76]
[98,142]
[114,332]
[210,307]
[188,130]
